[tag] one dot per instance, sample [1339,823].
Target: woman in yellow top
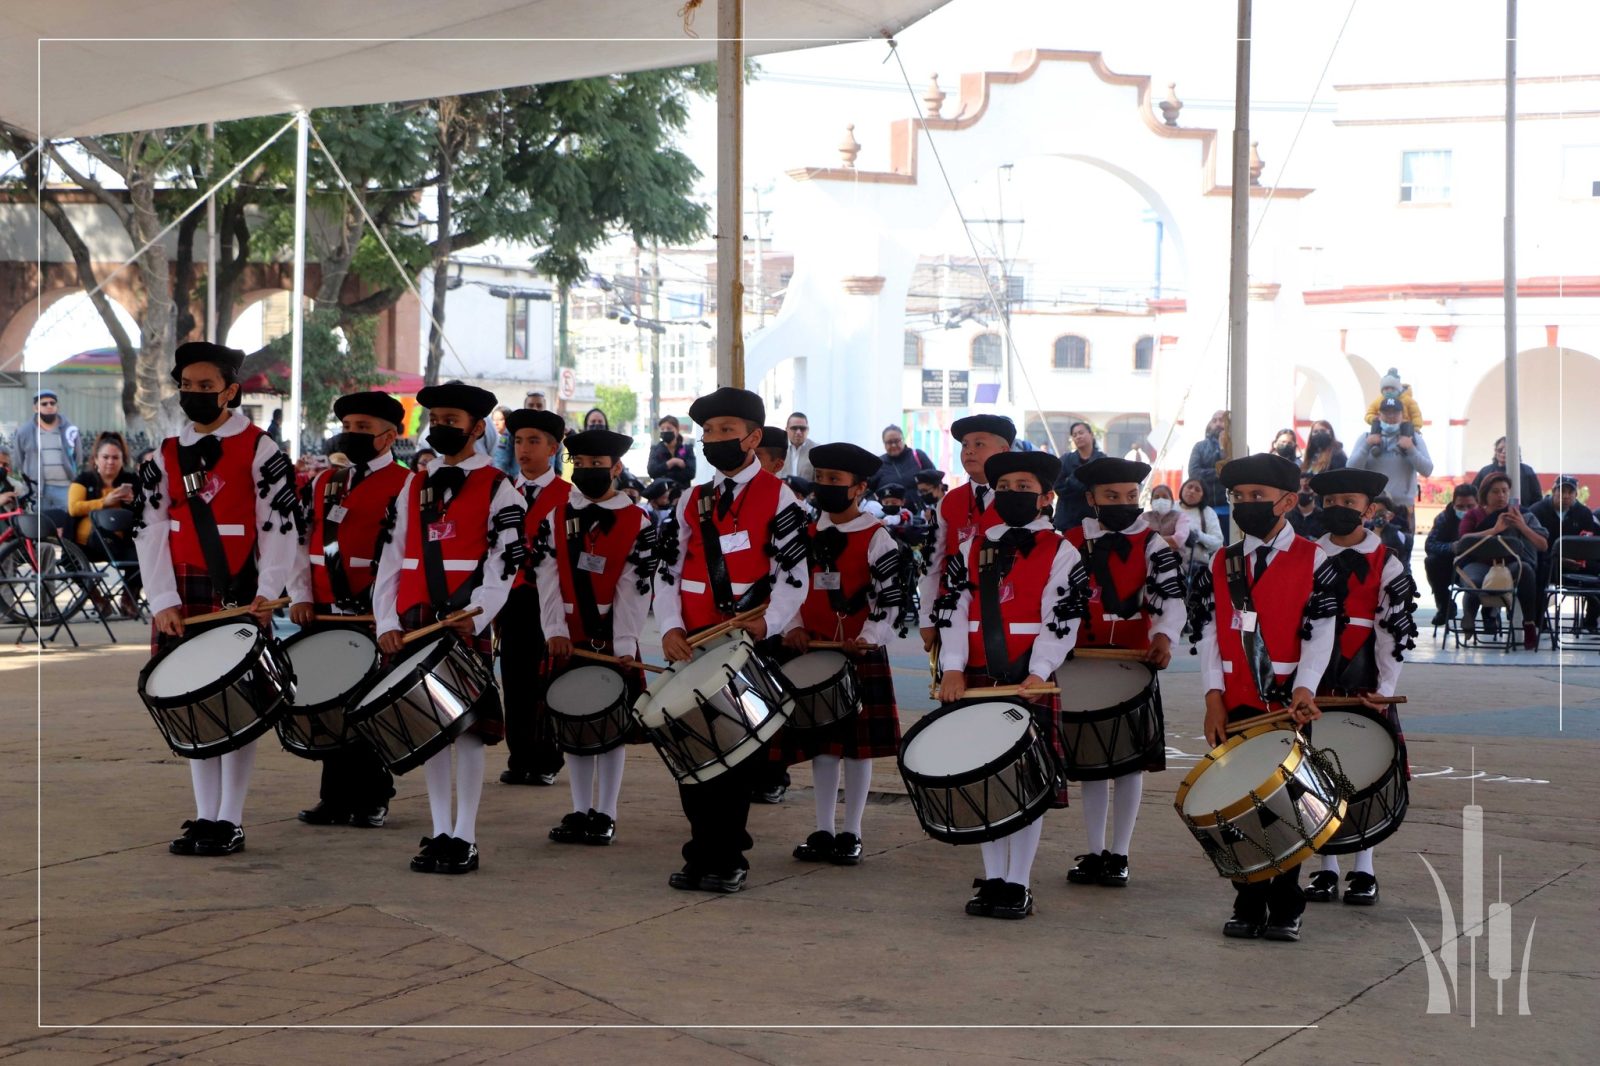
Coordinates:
[109,484]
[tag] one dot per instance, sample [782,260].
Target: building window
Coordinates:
[1425,177]
[1072,353]
[516,329]
[913,349]
[986,350]
[1144,354]
[1580,172]
[1016,289]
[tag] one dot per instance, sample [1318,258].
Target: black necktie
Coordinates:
[978,493]
[357,475]
[1261,561]
[1354,562]
[725,500]
[530,492]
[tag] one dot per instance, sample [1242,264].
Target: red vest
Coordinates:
[1361,604]
[365,507]
[1128,576]
[959,517]
[614,547]
[752,513]
[233,503]
[550,498]
[1280,599]
[855,575]
[465,519]
[1021,597]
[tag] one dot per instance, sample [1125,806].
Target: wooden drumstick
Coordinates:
[837,645]
[1322,701]
[617,660]
[1260,719]
[1356,701]
[234,612]
[1003,690]
[342,618]
[1121,655]
[723,628]
[418,634]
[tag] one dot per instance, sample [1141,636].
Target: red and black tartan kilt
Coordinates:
[633,681]
[489,725]
[1046,713]
[873,732]
[199,596]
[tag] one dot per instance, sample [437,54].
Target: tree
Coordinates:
[620,403]
[335,359]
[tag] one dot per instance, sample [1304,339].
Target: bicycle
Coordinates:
[33,559]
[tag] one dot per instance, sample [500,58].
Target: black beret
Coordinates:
[458,394]
[373,405]
[851,458]
[894,488]
[929,477]
[1108,471]
[1368,483]
[1042,465]
[999,425]
[545,421]
[799,485]
[773,437]
[1262,468]
[227,360]
[659,487]
[728,402]
[599,442]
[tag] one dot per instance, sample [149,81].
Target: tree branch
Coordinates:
[110,199]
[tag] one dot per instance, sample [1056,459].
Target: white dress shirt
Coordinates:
[1049,650]
[628,607]
[300,586]
[877,631]
[1168,620]
[928,587]
[1383,648]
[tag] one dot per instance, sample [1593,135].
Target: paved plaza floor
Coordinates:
[319,946]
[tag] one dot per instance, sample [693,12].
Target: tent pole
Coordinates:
[1513,434]
[730,192]
[1239,269]
[211,238]
[297,313]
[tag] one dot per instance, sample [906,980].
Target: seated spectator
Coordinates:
[1530,480]
[1169,522]
[8,491]
[1389,524]
[1439,551]
[1306,518]
[1562,514]
[1286,444]
[1390,387]
[1323,450]
[1495,532]
[109,485]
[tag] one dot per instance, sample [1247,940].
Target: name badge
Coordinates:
[1245,621]
[826,579]
[734,542]
[441,531]
[594,564]
[213,487]
[337,513]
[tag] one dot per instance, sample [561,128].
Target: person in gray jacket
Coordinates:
[47,451]
[1399,455]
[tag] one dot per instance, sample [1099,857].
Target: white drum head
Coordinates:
[1244,767]
[200,660]
[1094,684]
[585,690]
[379,694]
[672,693]
[1365,748]
[330,663]
[965,739]
[814,667]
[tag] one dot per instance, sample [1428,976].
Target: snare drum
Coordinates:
[589,709]
[1260,803]
[825,686]
[217,689]
[418,706]
[1362,746]
[1111,721]
[978,770]
[329,665]
[708,715]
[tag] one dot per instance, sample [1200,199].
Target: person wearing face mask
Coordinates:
[930,487]
[1499,531]
[216,519]
[1306,518]
[739,544]
[1562,515]
[1268,601]
[47,452]
[658,498]
[458,541]
[350,512]
[1136,602]
[596,560]
[672,456]
[1017,592]
[1374,628]
[1398,452]
[965,510]
[1287,445]
[1323,450]
[1439,558]
[1390,387]
[1168,520]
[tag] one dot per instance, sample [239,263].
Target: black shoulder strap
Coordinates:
[194,470]
[711,544]
[439,595]
[1255,648]
[334,491]
[996,654]
[596,625]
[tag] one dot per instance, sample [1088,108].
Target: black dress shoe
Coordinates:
[544,780]
[323,814]
[1115,872]
[1287,930]
[1360,889]
[1324,887]
[846,850]
[817,848]
[770,794]
[456,856]
[194,831]
[1088,870]
[1243,929]
[1013,901]
[599,829]
[981,905]
[572,828]
[424,861]
[370,819]
[685,880]
[225,838]
[729,882]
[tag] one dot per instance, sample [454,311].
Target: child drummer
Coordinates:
[965,510]
[1136,601]
[217,516]
[351,510]
[1375,628]
[857,597]
[1269,599]
[1017,593]
[596,560]
[458,539]
[739,543]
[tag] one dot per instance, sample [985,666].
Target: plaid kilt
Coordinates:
[633,682]
[1046,714]
[873,732]
[199,596]
[489,725]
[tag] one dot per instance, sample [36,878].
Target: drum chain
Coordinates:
[1334,770]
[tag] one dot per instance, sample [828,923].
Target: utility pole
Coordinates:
[211,237]
[1003,297]
[761,261]
[1513,426]
[655,336]
[1239,272]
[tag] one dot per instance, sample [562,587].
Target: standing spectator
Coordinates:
[594,418]
[1495,531]
[47,452]
[1287,445]
[1204,460]
[275,427]
[672,457]
[900,464]
[533,401]
[1072,495]
[1207,535]
[1306,518]
[1323,450]
[1401,458]
[502,456]
[1439,551]
[1530,481]
[798,463]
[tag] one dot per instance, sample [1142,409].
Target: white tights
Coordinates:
[1011,857]
[469,788]
[220,784]
[582,771]
[857,782]
[1097,798]
[1330,863]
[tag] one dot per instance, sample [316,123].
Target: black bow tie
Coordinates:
[201,455]
[1020,540]
[595,515]
[446,481]
[1117,542]
[1354,562]
[828,545]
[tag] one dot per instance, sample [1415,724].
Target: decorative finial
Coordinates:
[934,96]
[1171,105]
[1255,164]
[848,148]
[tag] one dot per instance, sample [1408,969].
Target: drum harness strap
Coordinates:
[433,507]
[596,626]
[1359,673]
[993,565]
[826,547]
[335,490]
[194,462]
[1255,648]
[717,566]
[1099,564]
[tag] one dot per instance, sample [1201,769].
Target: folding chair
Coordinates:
[1578,587]
[64,578]
[1509,636]
[106,525]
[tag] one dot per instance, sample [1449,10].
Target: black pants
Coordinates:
[1279,899]
[530,737]
[718,811]
[354,779]
[1441,571]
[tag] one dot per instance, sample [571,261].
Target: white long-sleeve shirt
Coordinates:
[275,549]
[873,631]
[300,587]
[628,608]
[1315,651]
[928,587]
[490,595]
[1168,619]
[1049,648]
[1383,646]
[788,582]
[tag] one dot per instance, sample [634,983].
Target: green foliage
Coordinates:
[329,370]
[620,403]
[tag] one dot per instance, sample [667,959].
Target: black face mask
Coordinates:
[593,481]
[1285,450]
[359,448]
[1306,499]
[832,499]
[726,455]
[891,508]
[1016,508]
[1117,516]
[47,417]
[1341,520]
[667,436]
[1256,519]
[927,497]
[1320,439]
[449,441]
[201,408]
